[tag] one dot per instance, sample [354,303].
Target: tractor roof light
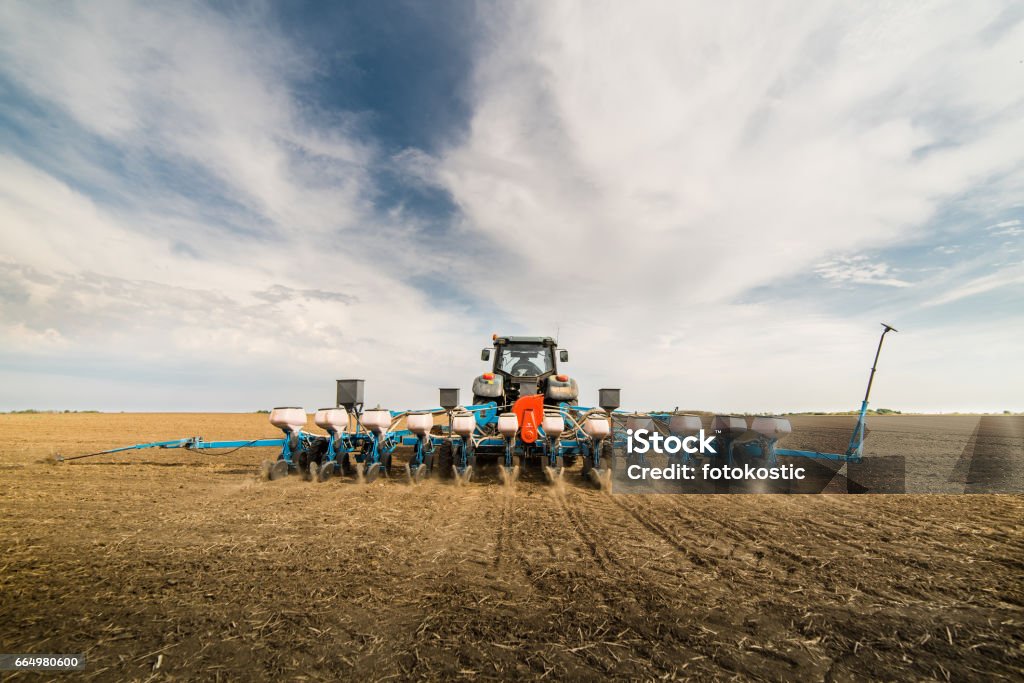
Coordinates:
[562,378]
[488,375]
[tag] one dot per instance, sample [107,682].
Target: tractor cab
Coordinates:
[524,359]
[524,366]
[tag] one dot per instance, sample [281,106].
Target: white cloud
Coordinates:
[858,270]
[1009,228]
[189,85]
[300,289]
[630,171]
[1005,277]
[738,145]
[646,164]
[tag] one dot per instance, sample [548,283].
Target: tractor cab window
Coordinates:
[525,360]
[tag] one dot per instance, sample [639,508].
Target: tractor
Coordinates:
[524,366]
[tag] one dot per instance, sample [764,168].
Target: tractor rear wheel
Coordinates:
[445,460]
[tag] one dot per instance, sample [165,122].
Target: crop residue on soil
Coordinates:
[190,560]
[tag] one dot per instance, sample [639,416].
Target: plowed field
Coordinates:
[172,565]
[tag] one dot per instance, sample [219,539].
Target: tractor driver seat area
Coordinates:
[524,368]
[525,360]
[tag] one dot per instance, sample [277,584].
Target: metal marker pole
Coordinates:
[857,440]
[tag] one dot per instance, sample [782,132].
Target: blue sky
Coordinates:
[227,206]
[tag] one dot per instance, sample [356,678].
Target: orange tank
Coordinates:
[530,411]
